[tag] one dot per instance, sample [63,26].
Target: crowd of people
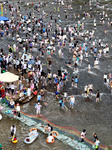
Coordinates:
[39,35]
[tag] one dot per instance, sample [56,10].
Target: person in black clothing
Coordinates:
[97,96]
[95,136]
[48,128]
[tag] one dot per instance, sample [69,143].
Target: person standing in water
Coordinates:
[95,136]
[76,81]
[89,67]
[18,110]
[97,143]
[72,102]
[97,96]
[83,135]
[13,130]
[38,108]
[86,90]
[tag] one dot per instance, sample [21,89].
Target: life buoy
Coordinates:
[33,129]
[14,141]
[51,142]
[55,134]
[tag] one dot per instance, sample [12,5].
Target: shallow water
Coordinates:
[21,132]
[95,117]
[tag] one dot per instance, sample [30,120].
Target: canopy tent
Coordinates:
[2,18]
[8,77]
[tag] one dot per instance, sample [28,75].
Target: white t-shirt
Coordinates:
[38,107]
[91,86]
[105,76]
[17,62]
[29,91]
[12,86]
[50,138]
[89,66]
[18,108]
[24,66]
[96,62]
[12,102]
[72,99]
[86,87]
[65,94]
[14,61]
[83,134]
[97,143]
[13,129]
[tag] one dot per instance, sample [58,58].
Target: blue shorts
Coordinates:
[71,103]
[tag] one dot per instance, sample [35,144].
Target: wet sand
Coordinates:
[95,117]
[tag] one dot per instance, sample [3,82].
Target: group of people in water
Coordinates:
[41,32]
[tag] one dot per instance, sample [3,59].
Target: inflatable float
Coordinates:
[55,134]
[50,142]
[14,141]
[32,136]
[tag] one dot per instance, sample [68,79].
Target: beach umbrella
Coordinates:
[8,77]
[2,18]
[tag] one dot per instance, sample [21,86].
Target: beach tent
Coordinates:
[2,18]
[8,77]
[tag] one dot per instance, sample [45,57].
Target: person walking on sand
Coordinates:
[97,96]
